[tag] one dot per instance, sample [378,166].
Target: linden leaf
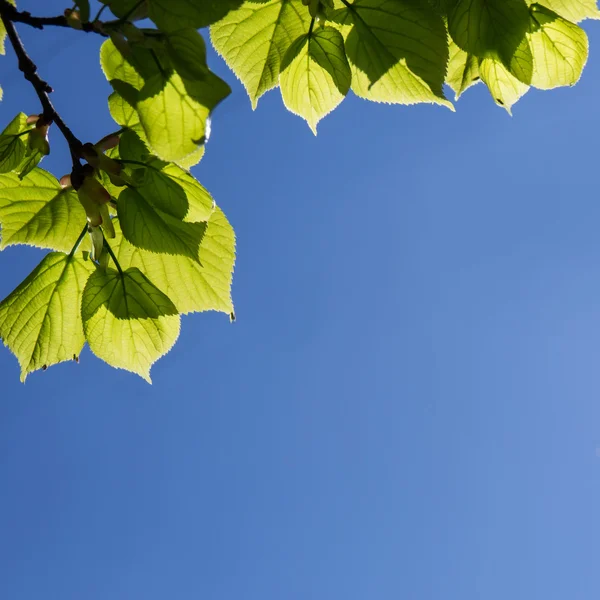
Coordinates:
[147,227]
[398,51]
[41,320]
[572,10]
[559,47]
[38,212]
[174,112]
[504,87]
[166,186]
[315,75]
[463,70]
[12,146]
[128,322]
[494,28]
[254,39]
[170,15]
[192,285]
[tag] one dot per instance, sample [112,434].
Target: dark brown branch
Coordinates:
[29,70]
[16,16]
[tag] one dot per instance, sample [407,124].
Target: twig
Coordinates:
[16,16]
[29,70]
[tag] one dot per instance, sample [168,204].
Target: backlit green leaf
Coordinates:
[147,227]
[254,39]
[12,145]
[572,10]
[398,52]
[559,48]
[494,28]
[193,286]
[41,320]
[315,75]
[504,87]
[174,113]
[38,212]
[187,51]
[463,70]
[128,322]
[177,14]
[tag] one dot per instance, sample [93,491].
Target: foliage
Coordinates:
[135,239]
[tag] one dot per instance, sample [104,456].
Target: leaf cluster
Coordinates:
[135,240]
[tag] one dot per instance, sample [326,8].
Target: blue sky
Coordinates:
[409,403]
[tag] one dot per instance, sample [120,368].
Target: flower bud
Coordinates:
[73,18]
[92,195]
[37,140]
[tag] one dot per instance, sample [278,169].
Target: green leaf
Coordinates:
[559,47]
[398,52]
[3,38]
[572,10]
[463,70]
[187,51]
[128,322]
[132,9]
[32,159]
[193,286]
[126,116]
[504,87]
[12,146]
[254,39]
[147,227]
[41,320]
[38,212]
[170,15]
[315,75]
[494,28]
[166,186]
[174,113]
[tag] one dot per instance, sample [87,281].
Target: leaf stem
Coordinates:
[102,9]
[42,89]
[126,16]
[79,240]
[114,258]
[311,27]
[346,4]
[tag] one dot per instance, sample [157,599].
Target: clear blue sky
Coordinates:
[409,403]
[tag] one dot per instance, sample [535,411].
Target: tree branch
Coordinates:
[29,70]
[11,13]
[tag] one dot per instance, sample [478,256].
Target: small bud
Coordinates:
[95,157]
[73,18]
[92,195]
[37,140]
[65,181]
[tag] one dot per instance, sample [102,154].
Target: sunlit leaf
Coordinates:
[193,286]
[494,28]
[128,322]
[254,39]
[41,320]
[171,15]
[572,10]
[315,75]
[12,145]
[559,48]
[463,70]
[149,228]
[38,212]
[398,52]
[504,87]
